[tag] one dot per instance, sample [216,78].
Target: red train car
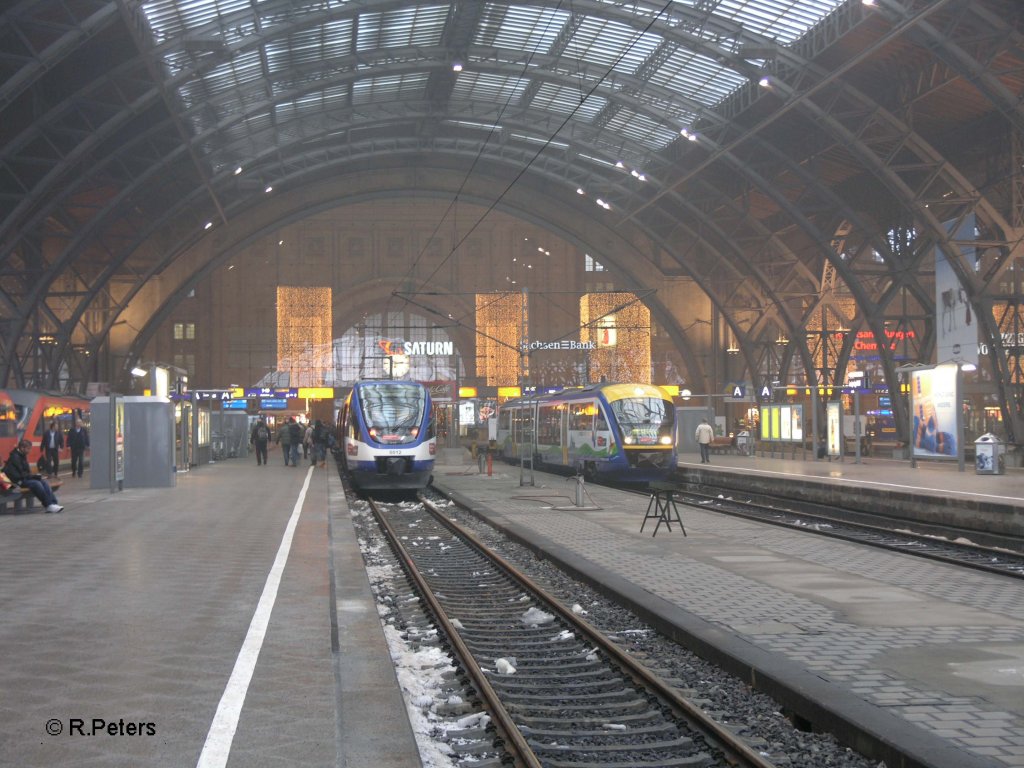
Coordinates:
[28,413]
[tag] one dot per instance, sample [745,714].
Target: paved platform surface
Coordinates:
[928,654]
[132,609]
[941,478]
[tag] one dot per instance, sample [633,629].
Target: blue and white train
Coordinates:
[386,432]
[622,433]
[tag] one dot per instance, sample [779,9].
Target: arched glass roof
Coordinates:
[242,66]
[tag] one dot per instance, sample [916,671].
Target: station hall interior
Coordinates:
[749,202]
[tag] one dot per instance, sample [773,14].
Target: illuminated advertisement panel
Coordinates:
[785,423]
[834,426]
[933,398]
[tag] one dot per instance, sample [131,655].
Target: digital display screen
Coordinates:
[273,403]
[234,405]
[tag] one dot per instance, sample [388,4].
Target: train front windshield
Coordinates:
[393,411]
[645,420]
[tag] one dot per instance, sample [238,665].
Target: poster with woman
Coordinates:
[933,398]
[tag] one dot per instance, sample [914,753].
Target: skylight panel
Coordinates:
[488,87]
[642,129]
[782,20]
[697,78]
[566,101]
[326,41]
[531,29]
[388,87]
[418,25]
[611,45]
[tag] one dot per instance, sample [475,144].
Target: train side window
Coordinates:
[549,425]
[581,418]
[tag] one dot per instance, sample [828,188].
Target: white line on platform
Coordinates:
[222,730]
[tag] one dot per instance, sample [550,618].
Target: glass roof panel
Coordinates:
[533,29]
[407,86]
[418,25]
[563,101]
[642,129]
[611,45]
[697,77]
[782,20]
[489,87]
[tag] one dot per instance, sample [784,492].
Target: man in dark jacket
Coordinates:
[53,441]
[295,433]
[78,441]
[259,438]
[20,473]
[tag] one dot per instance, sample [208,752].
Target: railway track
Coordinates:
[830,522]
[559,693]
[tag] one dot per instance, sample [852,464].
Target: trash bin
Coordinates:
[744,443]
[988,455]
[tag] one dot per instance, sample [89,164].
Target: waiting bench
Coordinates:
[723,445]
[20,499]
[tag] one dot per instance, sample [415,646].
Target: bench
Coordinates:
[723,445]
[22,498]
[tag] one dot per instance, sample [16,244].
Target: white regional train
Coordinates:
[386,432]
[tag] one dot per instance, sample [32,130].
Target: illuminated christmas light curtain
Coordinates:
[622,334]
[501,321]
[304,319]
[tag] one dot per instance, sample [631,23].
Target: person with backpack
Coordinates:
[295,433]
[259,438]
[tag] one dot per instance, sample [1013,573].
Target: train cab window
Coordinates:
[644,420]
[393,412]
[600,422]
[504,419]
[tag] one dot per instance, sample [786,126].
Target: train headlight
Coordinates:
[665,440]
[630,440]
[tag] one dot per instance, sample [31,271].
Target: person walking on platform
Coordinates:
[295,437]
[20,473]
[284,437]
[307,442]
[704,435]
[319,453]
[53,441]
[78,441]
[259,438]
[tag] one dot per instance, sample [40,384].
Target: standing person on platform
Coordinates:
[284,437]
[307,444]
[20,473]
[295,432]
[53,441]
[704,435]
[78,441]
[259,438]
[319,444]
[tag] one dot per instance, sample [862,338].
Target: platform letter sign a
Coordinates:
[739,391]
[766,392]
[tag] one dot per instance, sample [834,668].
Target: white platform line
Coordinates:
[222,731]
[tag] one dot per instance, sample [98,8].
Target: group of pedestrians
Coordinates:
[314,441]
[17,471]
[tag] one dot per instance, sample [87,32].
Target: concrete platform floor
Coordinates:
[123,619]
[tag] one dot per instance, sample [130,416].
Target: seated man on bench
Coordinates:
[20,473]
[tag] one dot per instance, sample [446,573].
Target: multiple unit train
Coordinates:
[623,433]
[387,437]
[28,413]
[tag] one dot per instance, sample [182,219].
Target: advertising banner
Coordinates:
[834,419]
[956,335]
[933,399]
